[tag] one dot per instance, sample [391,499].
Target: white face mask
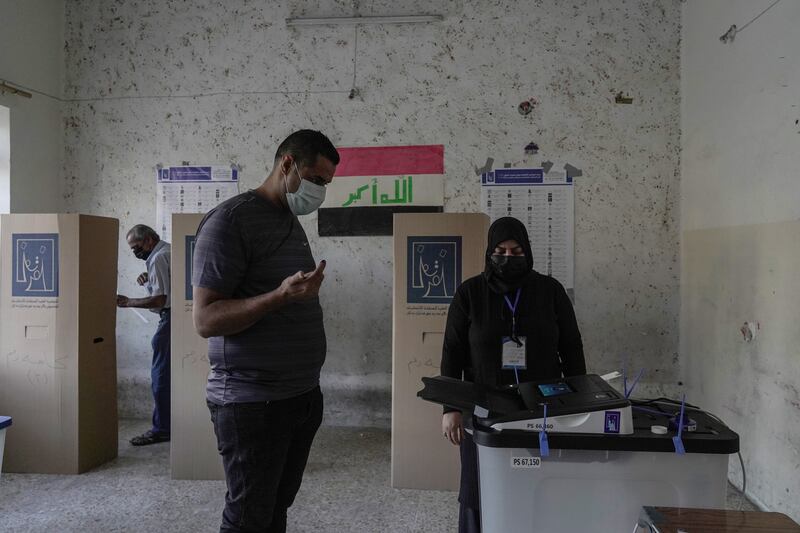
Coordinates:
[307,199]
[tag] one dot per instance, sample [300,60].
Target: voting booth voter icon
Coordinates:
[35,260]
[434,269]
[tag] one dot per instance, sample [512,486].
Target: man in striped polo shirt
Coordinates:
[148,246]
[256,288]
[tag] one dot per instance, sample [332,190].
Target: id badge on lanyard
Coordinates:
[513,353]
[513,346]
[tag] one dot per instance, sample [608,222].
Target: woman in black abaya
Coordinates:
[509,324]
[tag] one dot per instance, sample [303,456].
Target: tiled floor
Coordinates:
[345,489]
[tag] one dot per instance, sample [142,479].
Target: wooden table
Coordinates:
[683,520]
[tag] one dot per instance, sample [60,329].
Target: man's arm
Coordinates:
[215,315]
[158,278]
[151,302]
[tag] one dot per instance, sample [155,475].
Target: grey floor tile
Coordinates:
[345,489]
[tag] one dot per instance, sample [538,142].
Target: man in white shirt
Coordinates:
[147,245]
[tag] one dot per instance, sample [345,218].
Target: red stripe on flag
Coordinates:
[391,160]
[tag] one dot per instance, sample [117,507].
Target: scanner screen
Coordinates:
[554,389]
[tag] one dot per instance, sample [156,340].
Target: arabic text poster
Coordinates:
[545,203]
[434,269]
[35,260]
[373,183]
[188,189]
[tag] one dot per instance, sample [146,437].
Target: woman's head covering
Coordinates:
[508,228]
[504,229]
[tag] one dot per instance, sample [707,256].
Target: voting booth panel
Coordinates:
[193,446]
[58,375]
[433,254]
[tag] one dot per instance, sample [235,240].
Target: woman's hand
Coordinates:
[452,427]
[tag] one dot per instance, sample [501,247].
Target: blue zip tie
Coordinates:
[679,449]
[544,446]
[625,378]
[516,374]
[628,392]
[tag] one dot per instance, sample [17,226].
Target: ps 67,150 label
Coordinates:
[526,462]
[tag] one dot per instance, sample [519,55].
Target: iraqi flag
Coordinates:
[373,183]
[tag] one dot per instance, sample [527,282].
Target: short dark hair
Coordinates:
[140,232]
[305,146]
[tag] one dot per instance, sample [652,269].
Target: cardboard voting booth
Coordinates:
[193,446]
[58,372]
[433,254]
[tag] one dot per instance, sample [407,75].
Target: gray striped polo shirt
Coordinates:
[247,246]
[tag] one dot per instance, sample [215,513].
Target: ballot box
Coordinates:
[598,482]
[58,374]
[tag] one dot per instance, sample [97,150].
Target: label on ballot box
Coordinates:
[526,462]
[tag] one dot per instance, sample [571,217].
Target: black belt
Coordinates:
[164,311]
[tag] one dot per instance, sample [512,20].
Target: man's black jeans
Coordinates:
[264,448]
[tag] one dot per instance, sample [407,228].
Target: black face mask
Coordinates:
[510,268]
[141,253]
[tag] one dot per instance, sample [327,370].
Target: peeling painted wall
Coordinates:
[137,70]
[741,238]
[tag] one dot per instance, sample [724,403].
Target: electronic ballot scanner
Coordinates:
[576,404]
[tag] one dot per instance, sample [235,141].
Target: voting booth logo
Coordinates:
[434,269]
[190,240]
[35,260]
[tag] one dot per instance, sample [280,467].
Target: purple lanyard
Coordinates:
[513,311]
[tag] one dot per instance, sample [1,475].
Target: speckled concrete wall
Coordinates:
[216,82]
[741,235]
